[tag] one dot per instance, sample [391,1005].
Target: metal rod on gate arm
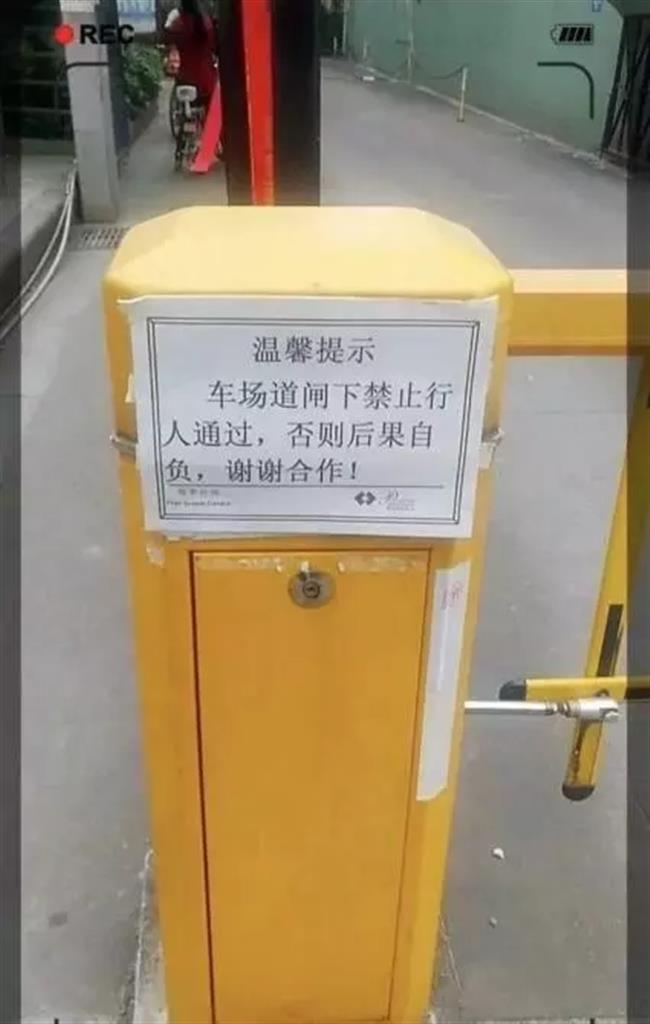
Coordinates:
[587,709]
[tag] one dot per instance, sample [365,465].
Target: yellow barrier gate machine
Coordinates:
[306,406]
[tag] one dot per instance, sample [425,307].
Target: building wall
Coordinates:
[33,86]
[501,42]
[139,13]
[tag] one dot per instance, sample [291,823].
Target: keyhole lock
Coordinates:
[311,589]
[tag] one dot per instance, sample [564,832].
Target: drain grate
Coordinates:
[97,237]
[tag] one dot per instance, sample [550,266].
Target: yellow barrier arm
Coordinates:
[594,313]
[577,313]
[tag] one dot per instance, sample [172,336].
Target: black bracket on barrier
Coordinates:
[579,67]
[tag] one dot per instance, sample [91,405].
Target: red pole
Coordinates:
[256,27]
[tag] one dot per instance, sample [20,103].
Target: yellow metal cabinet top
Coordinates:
[360,251]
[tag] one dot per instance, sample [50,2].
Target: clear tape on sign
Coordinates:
[450,592]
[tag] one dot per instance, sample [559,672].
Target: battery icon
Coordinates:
[576,35]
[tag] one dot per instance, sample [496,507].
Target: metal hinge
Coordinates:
[489,443]
[124,445]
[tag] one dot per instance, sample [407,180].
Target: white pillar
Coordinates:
[92,117]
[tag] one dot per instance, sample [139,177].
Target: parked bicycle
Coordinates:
[189,116]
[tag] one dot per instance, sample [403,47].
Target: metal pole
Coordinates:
[296,102]
[588,709]
[463,91]
[256,23]
[410,60]
[522,708]
[91,108]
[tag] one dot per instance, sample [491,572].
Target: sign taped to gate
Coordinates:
[310,415]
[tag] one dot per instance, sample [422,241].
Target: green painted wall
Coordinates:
[501,41]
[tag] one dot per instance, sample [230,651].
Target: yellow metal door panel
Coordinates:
[307,724]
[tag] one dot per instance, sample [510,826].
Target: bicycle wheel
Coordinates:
[180,142]
[174,112]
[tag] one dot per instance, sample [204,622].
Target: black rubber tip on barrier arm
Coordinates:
[577,793]
[514,690]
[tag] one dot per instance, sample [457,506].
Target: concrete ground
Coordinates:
[559,897]
[533,204]
[84,821]
[557,949]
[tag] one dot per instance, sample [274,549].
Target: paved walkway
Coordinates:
[557,950]
[533,204]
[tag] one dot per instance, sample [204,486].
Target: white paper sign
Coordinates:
[451,588]
[338,416]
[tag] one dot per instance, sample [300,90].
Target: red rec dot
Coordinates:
[64,34]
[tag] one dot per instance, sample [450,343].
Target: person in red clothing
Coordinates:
[193,35]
